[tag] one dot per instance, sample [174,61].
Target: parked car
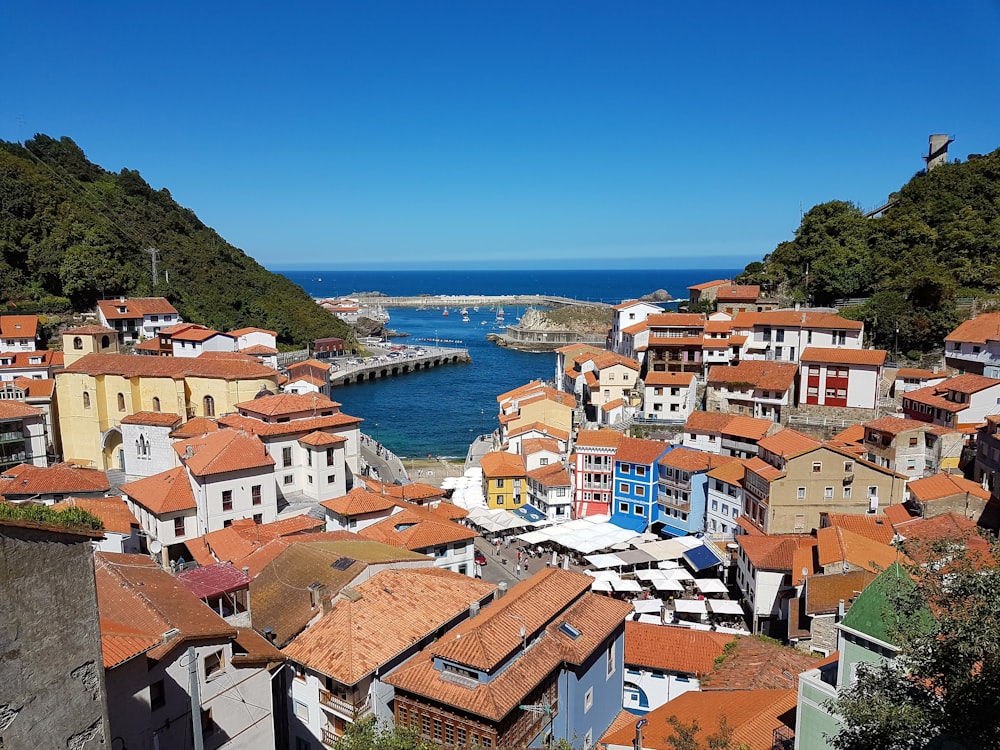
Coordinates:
[480,558]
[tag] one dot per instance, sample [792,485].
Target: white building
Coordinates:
[782,335]
[193,341]
[138,318]
[975,346]
[121,528]
[627,315]
[147,444]
[18,333]
[550,490]
[840,377]
[23,437]
[669,396]
[725,501]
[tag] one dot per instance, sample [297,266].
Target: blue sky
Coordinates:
[510,134]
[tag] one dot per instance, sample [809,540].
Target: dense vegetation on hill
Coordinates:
[72,232]
[938,242]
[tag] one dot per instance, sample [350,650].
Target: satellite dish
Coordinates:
[156,547]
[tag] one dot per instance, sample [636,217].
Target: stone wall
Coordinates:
[52,692]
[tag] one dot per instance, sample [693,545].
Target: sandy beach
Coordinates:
[433,471]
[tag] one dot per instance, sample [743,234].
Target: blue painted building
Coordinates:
[682,490]
[635,482]
[549,645]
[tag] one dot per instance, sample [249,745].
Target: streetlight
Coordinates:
[378,435]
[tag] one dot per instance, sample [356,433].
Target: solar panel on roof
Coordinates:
[343,563]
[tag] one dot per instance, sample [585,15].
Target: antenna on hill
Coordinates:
[153,252]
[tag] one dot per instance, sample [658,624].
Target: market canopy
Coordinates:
[529,513]
[599,585]
[667,584]
[647,605]
[496,519]
[711,586]
[585,535]
[604,560]
[690,606]
[725,607]
[626,585]
[634,557]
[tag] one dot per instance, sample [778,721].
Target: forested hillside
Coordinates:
[72,232]
[937,245]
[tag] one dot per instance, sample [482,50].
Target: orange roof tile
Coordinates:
[359,501]
[244,331]
[415,530]
[197,333]
[13,409]
[940,486]
[772,552]
[132,366]
[708,284]
[502,464]
[639,451]
[824,592]
[18,326]
[761,374]
[166,492]
[610,359]
[58,479]
[836,544]
[806,319]
[979,330]
[540,427]
[689,459]
[292,427]
[244,537]
[36,388]
[876,528]
[788,443]
[636,328]
[289,403]
[753,715]
[755,663]
[195,427]
[914,373]
[394,610]
[763,469]
[838,356]
[730,473]
[112,511]
[674,320]
[674,649]
[136,307]
[739,293]
[531,446]
[90,330]
[602,438]
[152,419]
[320,439]
[897,514]
[669,378]
[895,425]
[612,405]
[553,475]
[222,452]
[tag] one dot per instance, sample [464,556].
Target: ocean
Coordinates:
[441,410]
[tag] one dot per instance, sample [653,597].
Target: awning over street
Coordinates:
[725,607]
[701,558]
[711,586]
[630,522]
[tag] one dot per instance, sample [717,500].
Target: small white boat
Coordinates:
[465,318]
[445,312]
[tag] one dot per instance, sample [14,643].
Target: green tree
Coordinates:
[688,736]
[943,687]
[372,734]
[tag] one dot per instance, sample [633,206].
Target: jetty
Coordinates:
[475,300]
[345,372]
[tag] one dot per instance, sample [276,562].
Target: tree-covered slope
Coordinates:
[70,229]
[938,242]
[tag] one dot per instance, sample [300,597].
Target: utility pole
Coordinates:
[195,689]
[153,257]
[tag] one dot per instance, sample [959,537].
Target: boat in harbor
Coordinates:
[499,319]
[465,317]
[445,312]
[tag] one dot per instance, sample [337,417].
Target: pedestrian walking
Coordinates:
[508,542]
[517,570]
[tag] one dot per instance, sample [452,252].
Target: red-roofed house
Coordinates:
[961,402]
[669,396]
[149,620]
[504,480]
[427,532]
[726,434]
[550,490]
[910,447]
[911,378]
[675,342]
[137,318]
[35,364]
[48,485]
[759,389]
[975,346]
[706,291]
[987,470]
[769,571]
[121,528]
[837,376]
[18,333]
[947,493]
[782,335]
[23,438]
[592,468]
[147,441]
[627,315]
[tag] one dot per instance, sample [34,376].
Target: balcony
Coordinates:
[330,737]
[345,707]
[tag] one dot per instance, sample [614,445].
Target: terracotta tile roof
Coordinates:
[838,545]
[309,364]
[132,366]
[18,326]
[730,473]
[752,714]
[90,330]
[612,405]
[212,580]
[763,469]
[136,307]
[788,443]
[914,373]
[289,403]
[602,438]
[639,451]
[413,492]
[540,427]
[895,425]
[949,526]
[280,590]
[739,293]
[320,439]
[13,409]
[197,333]
[243,537]
[674,320]
[308,379]
[806,319]
[708,285]
[166,492]
[773,552]
[674,649]
[979,330]
[707,421]
[590,377]
[967,383]
[252,649]
[940,486]
[21,360]
[259,350]
[755,663]
[43,388]
[139,604]
[553,475]
[502,464]
[897,514]
[416,529]
[669,378]
[223,452]
[494,636]
[761,374]
[534,385]
[718,326]
[610,359]
[691,460]
[531,446]
[395,610]
[876,528]
[58,479]
[195,427]
[359,501]
[838,356]
[245,331]
[294,426]
[153,345]
[636,328]
[152,419]
[112,511]
[823,593]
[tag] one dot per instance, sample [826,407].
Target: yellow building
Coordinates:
[97,391]
[504,480]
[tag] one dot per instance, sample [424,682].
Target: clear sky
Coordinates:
[512,134]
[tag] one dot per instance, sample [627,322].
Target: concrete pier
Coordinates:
[475,300]
[373,368]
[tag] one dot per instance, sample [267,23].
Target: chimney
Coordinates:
[269,634]
[840,610]
[188,451]
[501,591]
[473,609]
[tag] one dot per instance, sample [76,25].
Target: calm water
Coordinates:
[440,411]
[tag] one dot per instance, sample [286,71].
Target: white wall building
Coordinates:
[669,396]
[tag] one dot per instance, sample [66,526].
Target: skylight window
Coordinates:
[570,631]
